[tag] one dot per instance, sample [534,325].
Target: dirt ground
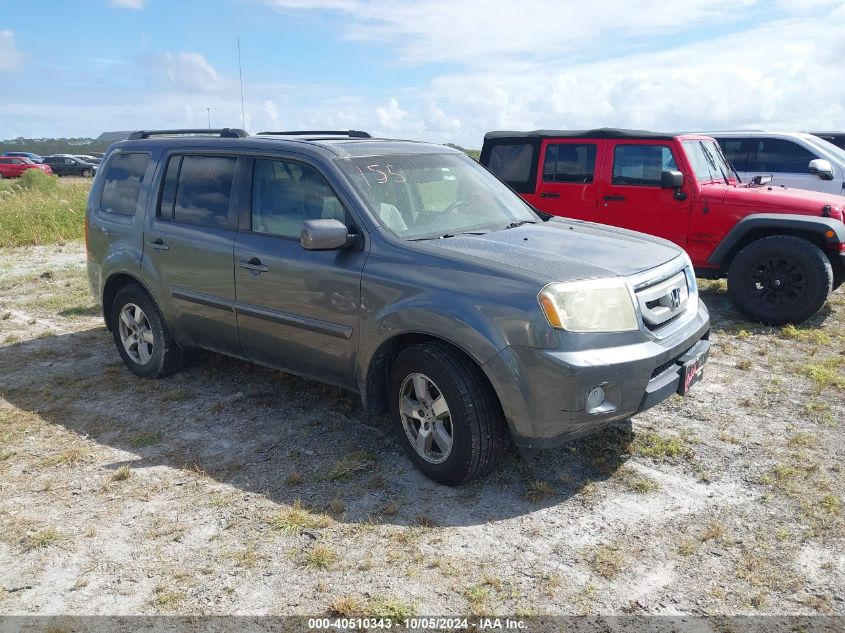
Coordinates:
[230,488]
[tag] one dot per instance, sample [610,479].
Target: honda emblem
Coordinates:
[675,298]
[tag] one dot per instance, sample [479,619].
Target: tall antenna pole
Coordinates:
[241,73]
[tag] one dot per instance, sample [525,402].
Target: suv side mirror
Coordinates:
[821,168]
[671,180]
[761,180]
[325,235]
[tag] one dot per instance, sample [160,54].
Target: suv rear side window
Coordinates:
[641,165]
[512,163]
[124,178]
[285,194]
[197,189]
[568,162]
[779,156]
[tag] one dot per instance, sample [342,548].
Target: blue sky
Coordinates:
[441,70]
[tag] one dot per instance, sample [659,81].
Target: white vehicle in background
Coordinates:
[798,159]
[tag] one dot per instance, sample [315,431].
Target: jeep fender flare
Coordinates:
[829,230]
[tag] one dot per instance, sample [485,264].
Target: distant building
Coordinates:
[113,137]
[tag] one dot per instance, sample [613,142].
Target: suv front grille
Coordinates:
[663,302]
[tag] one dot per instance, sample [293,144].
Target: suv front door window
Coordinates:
[297,309]
[633,198]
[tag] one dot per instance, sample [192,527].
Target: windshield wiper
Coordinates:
[447,235]
[517,223]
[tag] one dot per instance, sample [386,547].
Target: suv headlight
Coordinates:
[591,305]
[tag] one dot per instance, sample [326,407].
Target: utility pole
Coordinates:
[208,112]
[241,74]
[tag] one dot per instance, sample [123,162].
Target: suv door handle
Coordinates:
[159,245]
[618,198]
[253,265]
[549,194]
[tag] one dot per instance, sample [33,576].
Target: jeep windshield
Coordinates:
[429,196]
[707,161]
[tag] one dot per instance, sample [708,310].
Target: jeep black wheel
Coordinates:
[780,279]
[87,173]
[446,415]
[141,335]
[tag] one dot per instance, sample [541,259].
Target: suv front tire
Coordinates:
[447,416]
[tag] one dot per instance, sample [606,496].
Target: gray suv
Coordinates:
[402,271]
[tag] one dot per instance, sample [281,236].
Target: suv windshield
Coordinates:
[707,161]
[423,196]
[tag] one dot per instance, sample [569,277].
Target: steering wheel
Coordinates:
[453,208]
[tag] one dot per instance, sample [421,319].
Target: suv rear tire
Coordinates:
[141,335]
[446,414]
[780,279]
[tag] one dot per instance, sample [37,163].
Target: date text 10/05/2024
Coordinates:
[416,624]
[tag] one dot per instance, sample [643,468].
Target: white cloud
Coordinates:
[128,4]
[482,33]
[10,57]
[190,72]
[390,115]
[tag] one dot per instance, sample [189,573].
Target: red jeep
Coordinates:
[782,250]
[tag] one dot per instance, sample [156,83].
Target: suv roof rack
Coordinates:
[349,133]
[225,132]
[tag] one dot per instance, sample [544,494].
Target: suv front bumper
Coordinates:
[544,392]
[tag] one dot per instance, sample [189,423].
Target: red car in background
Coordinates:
[14,166]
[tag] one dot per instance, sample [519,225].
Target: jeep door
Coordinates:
[188,246]
[631,196]
[298,310]
[566,181]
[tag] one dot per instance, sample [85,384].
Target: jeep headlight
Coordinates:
[592,305]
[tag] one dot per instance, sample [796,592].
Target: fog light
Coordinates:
[595,399]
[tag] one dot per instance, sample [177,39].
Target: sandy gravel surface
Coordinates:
[230,488]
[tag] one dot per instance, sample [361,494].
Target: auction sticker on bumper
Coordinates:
[692,372]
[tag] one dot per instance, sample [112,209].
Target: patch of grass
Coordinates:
[350,465]
[802,439]
[715,531]
[67,457]
[35,210]
[637,483]
[826,373]
[607,561]
[744,364]
[319,557]
[820,411]
[816,336]
[121,474]
[686,547]
[246,558]
[294,519]
[538,490]
[659,446]
[478,597]
[294,479]
[348,607]
[164,596]
[390,607]
[143,440]
[45,538]
[424,520]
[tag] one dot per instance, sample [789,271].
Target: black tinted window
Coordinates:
[641,164]
[568,162]
[778,155]
[735,150]
[512,163]
[285,194]
[196,190]
[123,183]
